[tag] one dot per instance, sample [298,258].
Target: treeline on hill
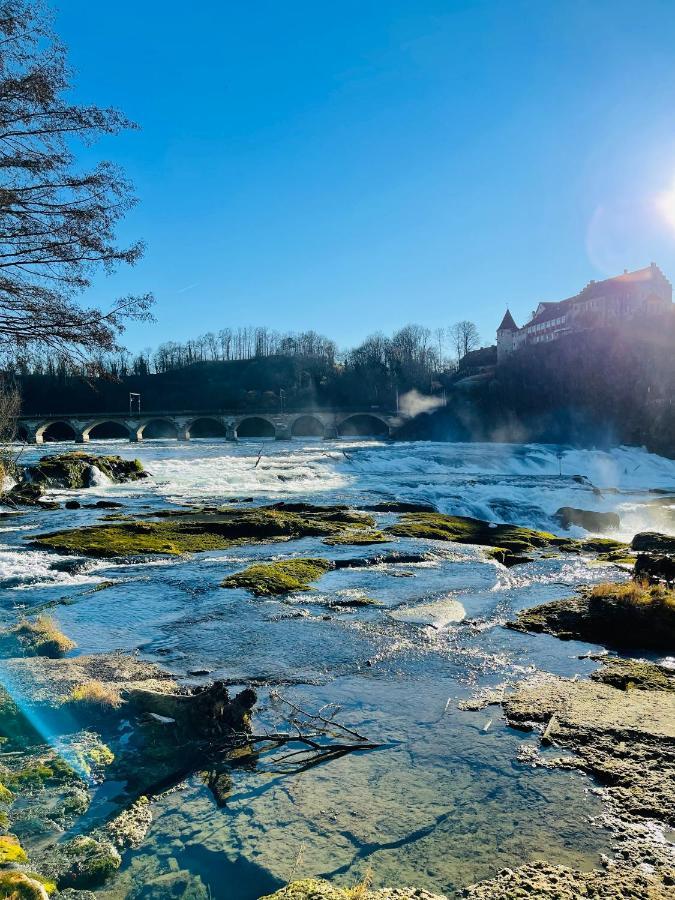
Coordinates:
[600,387]
[246,369]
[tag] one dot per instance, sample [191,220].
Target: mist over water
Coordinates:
[444,802]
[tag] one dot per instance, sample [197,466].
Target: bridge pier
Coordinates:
[282,432]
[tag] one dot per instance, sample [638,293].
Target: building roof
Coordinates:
[507,323]
[615,285]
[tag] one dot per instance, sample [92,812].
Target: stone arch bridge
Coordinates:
[83,427]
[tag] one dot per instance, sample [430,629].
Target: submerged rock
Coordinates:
[617,615]
[588,519]
[181,884]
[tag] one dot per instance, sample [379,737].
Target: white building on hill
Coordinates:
[600,303]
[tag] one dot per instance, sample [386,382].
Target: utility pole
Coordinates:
[137,398]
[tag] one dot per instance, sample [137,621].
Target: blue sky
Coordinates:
[353,166]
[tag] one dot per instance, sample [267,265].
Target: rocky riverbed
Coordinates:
[210,692]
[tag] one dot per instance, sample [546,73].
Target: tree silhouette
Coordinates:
[57,224]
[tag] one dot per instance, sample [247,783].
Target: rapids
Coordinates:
[444,801]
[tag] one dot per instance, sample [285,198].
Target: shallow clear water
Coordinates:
[444,802]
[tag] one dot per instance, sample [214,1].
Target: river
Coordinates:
[444,802]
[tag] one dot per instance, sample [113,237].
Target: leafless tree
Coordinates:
[57,223]
[465,338]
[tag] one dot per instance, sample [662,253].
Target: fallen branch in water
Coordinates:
[321,737]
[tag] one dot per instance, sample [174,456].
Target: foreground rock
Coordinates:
[560,883]
[192,531]
[317,889]
[119,719]
[620,729]
[624,738]
[630,614]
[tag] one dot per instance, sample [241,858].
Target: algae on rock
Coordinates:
[283,577]
[195,531]
[465,530]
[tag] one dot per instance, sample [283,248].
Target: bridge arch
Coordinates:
[206,427]
[23,434]
[55,430]
[363,425]
[105,430]
[157,428]
[307,426]
[255,427]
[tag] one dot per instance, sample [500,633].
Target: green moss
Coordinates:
[11,850]
[464,530]
[50,770]
[6,796]
[89,863]
[193,532]
[47,883]
[358,538]
[20,886]
[265,579]
[604,546]
[361,600]
[15,727]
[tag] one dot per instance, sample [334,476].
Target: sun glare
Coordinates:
[665,203]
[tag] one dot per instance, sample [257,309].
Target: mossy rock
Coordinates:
[358,538]
[74,470]
[193,532]
[284,577]
[465,530]
[87,862]
[40,637]
[15,727]
[21,886]
[627,614]
[602,546]
[11,850]
[356,602]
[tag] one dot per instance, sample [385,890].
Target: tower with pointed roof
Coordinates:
[506,336]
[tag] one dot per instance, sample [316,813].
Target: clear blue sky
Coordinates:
[353,166]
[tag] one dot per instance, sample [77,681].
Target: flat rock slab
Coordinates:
[47,680]
[560,883]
